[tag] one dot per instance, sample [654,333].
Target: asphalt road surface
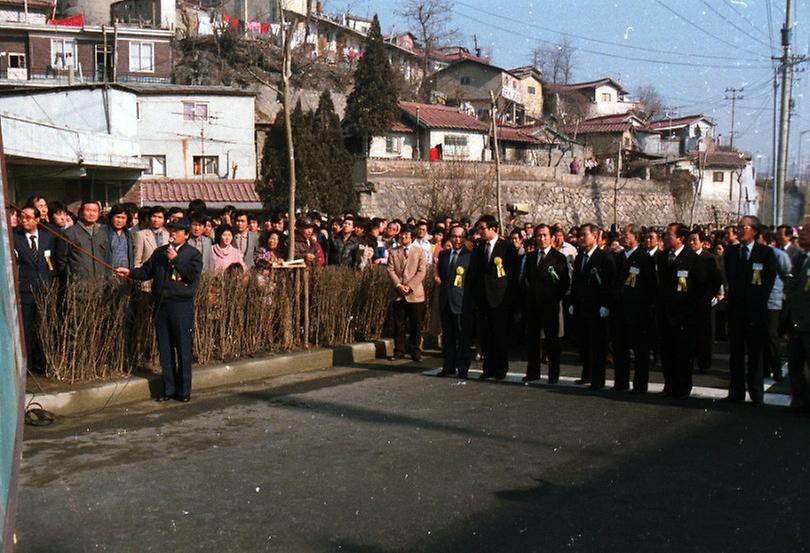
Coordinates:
[382,458]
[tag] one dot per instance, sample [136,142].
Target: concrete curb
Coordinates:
[140,387]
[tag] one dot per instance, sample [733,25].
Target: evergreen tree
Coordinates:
[372,105]
[331,164]
[274,186]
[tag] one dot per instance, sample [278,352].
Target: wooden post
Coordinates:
[306,308]
[286,70]
[494,116]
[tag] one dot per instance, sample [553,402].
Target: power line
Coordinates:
[770,27]
[743,31]
[491,25]
[704,31]
[730,5]
[605,42]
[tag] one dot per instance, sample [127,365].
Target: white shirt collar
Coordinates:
[35,234]
[590,252]
[546,250]
[679,250]
[628,253]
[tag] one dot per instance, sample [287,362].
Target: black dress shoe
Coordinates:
[500,377]
[681,396]
[582,381]
[183,399]
[163,398]
[639,391]
[417,357]
[529,378]
[553,380]
[485,376]
[620,388]
[733,399]
[595,388]
[446,373]
[462,376]
[663,393]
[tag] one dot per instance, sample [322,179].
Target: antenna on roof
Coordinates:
[477,49]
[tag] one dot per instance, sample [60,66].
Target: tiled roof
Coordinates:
[677,122]
[41,4]
[400,126]
[513,134]
[184,190]
[606,124]
[586,85]
[432,116]
[722,159]
[525,71]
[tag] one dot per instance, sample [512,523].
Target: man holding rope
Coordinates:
[175,269]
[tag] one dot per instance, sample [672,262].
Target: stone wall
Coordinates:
[400,188]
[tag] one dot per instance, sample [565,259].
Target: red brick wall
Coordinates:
[163,59]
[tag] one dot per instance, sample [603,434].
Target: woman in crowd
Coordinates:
[223,253]
[271,251]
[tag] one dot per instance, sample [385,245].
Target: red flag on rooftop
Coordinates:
[74,21]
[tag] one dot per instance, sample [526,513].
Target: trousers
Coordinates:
[174,327]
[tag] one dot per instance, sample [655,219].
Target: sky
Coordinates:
[690,50]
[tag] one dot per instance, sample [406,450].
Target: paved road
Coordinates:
[385,459]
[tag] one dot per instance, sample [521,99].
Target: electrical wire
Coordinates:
[512,32]
[743,31]
[598,41]
[704,31]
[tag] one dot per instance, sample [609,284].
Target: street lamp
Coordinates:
[800,167]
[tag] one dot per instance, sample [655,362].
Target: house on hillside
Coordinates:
[688,131]
[568,103]
[531,90]
[470,82]
[42,52]
[421,127]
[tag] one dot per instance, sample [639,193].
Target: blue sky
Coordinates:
[690,50]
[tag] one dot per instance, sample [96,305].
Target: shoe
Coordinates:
[639,391]
[485,376]
[161,399]
[183,399]
[681,397]
[582,381]
[462,376]
[733,399]
[553,380]
[446,373]
[395,357]
[620,388]
[664,393]
[595,388]
[757,403]
[529,378]
[417,357]
[500,377]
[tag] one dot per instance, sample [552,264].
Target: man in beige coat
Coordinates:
[407,268]
[146,241]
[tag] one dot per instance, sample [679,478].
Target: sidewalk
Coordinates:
[86,398]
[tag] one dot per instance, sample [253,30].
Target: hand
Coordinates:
[402,289]
[171,253]
[604,312]
[122,272]
[309,257]
[437,280]
[571,310]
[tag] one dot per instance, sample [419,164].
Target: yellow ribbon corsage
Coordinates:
[682,286]
[459,274]
[631,280]
[756,279]
[499,267]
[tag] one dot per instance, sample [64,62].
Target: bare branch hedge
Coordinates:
[103,329]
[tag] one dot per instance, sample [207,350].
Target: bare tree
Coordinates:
[432,20]
[650,102]
[555,62]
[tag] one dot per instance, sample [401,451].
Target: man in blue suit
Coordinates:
[35,266]
[175,270]
[452,272]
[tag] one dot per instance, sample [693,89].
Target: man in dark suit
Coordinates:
[705,331]
[636,286]
[797,311]
[751,271]
[176,269]
[784,240]
[494,270]
[593,295]
[682,282]
[546,272]
[452,275]
[35,267]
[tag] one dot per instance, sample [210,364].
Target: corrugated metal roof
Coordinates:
[432,116]
[585,85]
[677,122]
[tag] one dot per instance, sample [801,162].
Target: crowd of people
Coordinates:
[630,294]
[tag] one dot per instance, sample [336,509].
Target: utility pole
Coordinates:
[286,73]
[734,97]
[494,117]
[775,148]
[784,114]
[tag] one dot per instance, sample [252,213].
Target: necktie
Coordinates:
[540,256]
[34,250]
[453,258]
[159,239]
[488,250]
[406,252]
[672,257]
[744,253]
[584,262]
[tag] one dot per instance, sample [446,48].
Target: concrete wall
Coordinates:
[407,145]
[554,195]
[227,133]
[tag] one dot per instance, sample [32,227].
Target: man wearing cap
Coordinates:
[175,269]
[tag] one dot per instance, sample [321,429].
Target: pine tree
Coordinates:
[372,105]
[273,187]
[331,165]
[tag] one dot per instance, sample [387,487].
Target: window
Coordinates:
[455,146]
[141,57]
[63,53]
[393,144]
[157,165]
[532,90]
[465,81]
[718,176]
[16,61]
[606,96]
[206,165]
[195,111]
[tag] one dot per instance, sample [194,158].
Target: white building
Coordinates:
[596,98]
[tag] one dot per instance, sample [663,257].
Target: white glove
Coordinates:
[571,310]
[604,312]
